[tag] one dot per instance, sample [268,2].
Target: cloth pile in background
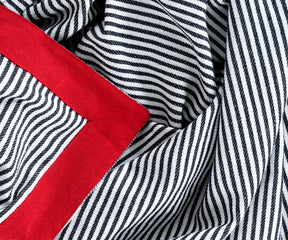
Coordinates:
[211,163]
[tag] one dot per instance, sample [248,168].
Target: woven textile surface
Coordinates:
[211,162]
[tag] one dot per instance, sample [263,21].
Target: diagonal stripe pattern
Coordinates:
[35,127]
[212,161]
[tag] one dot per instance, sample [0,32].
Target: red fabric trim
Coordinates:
[113,121]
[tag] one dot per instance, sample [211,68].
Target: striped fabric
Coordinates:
[35,127]
[212,162]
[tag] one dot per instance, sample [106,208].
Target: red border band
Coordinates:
[113,121]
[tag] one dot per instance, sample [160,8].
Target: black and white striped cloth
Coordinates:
[211,163]
[35,128]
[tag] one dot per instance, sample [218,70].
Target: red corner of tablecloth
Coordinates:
[114,119]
